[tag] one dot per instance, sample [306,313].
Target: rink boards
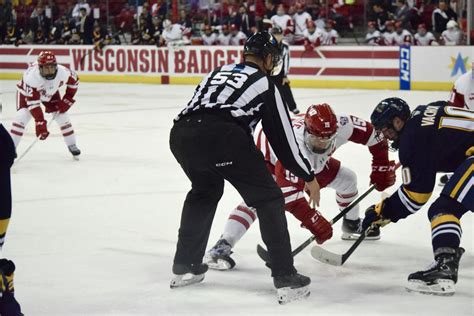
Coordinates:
[361,67]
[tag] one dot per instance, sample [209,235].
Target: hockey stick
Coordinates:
[263,254]
[34,142]
[331,258]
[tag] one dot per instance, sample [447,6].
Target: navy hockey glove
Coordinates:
[374,216]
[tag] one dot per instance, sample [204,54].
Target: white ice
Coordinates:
[97,236]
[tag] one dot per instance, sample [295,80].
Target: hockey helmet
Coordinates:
[383,115]
[167,25]
[451,24]
[262,44]
[320,128]
[48,66]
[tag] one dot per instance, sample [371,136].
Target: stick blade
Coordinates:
[326,256]
[263,254]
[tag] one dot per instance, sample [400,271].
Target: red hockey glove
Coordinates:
[65,104]
[318,226]
[383,175]
[41,129]
[308,46]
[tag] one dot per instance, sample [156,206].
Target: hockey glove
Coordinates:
[383,175]
[374,216]
[65,104]
[42,129]
[8,304]
[318,226]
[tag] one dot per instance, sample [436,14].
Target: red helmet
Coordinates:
[233,28]
[46,57]
[320,128]
[47,65]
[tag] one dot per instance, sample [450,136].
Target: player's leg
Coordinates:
[64,123]
[22,118]
[445,213]
[7,154]
[238,223]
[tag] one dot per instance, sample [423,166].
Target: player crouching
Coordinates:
[40,85]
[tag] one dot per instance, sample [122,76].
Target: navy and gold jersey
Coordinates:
[436,138]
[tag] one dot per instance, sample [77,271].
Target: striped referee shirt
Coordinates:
[247,95]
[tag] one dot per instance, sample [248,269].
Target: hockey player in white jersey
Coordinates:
[402,36]
[173,34]
[208,36]
[237,37]
[423,37]
[373,36]
[389,34]
[330,34]
[462,94]
[40,85]
[452,35]
[313,37]
[301,19]
[319,133]
[285,22]
[224,37]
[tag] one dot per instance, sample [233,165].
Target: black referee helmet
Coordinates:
[262,44]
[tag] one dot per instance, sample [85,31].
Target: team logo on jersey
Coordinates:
[343,120]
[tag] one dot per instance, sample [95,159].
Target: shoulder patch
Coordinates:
[343,120]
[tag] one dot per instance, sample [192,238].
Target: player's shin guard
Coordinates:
[68,133]
[19,124]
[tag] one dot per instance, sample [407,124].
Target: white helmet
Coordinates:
[167,24]
[451,24]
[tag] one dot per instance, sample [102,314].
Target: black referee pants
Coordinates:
[211,149]
[7,152]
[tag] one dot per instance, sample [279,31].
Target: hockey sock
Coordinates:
[445,231]
[343,200]
[66,128]
[240,220]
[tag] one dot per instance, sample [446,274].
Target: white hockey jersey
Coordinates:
[373,38]
[316,37]
[426,40]
[462,94]
[223,39]
[284,22]
[209,40]
[389,38]
[301,21]
[330,38]
[451,38]
[173,35]
[238,39]
[404,38]
[36,88]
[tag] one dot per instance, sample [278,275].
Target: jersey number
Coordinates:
[235,79]
[460,119]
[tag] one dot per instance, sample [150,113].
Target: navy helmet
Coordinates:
[387,110]
[262,44]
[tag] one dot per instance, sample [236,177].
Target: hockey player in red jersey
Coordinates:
[462,94]
[40,85]
[319,133]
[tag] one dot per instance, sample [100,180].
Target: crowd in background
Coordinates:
[229,22]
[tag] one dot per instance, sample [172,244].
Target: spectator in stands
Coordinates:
[330,34]
[85,25]
[76,12]
[136,38]
[13,35]
[423,37]
[373,36]
[389,34]
[285,22]
[159,9]
[402,13]
[379,15]
[40,24]
[65,31]
[69,10]
[313,37]
[185,19]
[224,37]
[270,9]
[145,17]
[301,19]
[208,36]
[244,21]
[440,17]
[402,35]
[237,37]
[6,18]
[452,35]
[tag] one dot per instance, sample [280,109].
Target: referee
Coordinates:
[212,141]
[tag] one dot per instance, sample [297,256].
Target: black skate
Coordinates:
[351,230]
[440,277]
[187,274]
[291,287]
[444,179]
[218,257]
[74,151]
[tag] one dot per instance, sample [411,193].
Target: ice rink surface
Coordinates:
[97,236]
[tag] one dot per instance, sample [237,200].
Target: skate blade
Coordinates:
[351,236]
[219,264]
[76,158]
[185,280]
[287,294]
[441,287]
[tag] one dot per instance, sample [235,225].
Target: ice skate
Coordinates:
[218,257]
[351,230]
[187,274]
[291,287]
[74,151]
[440,277]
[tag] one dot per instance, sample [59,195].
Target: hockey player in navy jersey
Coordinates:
[433,138]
